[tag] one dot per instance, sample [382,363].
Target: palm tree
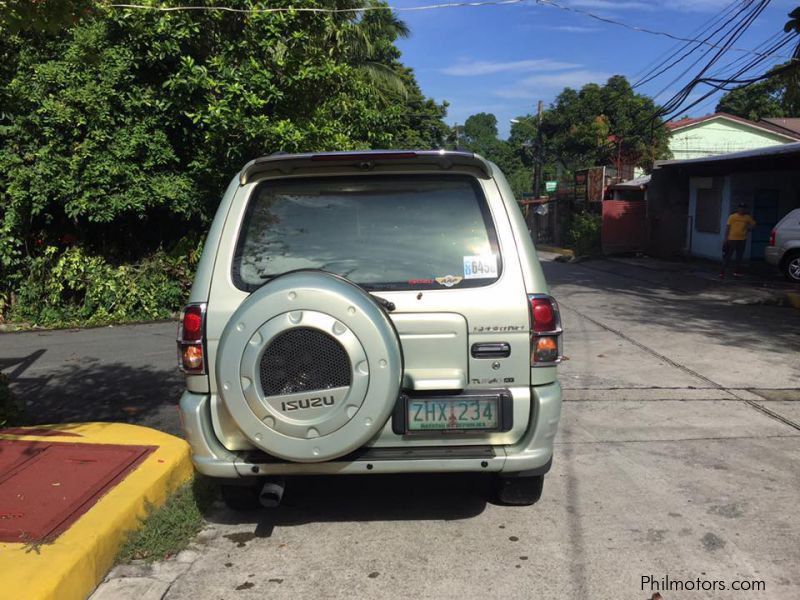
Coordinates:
[792,75]
[366,41]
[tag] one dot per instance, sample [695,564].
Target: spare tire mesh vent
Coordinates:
[302,360]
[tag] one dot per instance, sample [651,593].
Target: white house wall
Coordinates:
[740,187]
[719,136]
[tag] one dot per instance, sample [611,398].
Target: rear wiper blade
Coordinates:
[387,304]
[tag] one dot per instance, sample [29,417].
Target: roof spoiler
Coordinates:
[366,160]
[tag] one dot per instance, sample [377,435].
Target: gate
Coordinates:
[624,226]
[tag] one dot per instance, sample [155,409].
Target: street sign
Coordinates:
[550,186]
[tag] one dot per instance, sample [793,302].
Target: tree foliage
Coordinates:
[42,15]
[757,101]
[119,129]
[600,123]
[776,96]
[593,126]
[479,134]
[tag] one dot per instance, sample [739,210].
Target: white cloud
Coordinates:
[693,5]
[482,67]
[572,29]
[613,5]
[537,85]
[672,5]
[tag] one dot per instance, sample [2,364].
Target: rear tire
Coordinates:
[241,497]
[519,491]
[791,267]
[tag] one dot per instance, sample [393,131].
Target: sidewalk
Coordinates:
[70,493]
[761,284]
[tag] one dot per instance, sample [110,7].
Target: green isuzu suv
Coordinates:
[370,312]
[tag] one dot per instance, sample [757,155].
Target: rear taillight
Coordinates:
[772,238]
[543,314]
[545,330]
[191,337]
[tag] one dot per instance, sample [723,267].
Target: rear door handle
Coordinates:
[491,350]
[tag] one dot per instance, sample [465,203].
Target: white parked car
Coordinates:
[784,246]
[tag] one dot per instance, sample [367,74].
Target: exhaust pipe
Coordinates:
[272,492]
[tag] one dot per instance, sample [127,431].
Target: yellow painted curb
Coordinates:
[72,566]
[794,299]
[555,250]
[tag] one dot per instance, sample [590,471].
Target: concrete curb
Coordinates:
[555,250]
[71,566]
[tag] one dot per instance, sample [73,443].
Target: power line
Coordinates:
[730,36]
[692,47]
[675,48]
[763,46]
[611,21]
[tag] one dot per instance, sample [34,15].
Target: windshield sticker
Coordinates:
[420,281]
[480,266]
[449,280]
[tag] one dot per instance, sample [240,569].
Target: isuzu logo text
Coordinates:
[306,403]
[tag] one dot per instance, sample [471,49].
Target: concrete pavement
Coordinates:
[677,458]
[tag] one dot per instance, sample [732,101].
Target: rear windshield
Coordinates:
[381,232]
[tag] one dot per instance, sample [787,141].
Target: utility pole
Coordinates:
[537,158]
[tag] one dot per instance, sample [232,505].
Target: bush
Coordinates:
[10,411]
[584,233]
[72,287]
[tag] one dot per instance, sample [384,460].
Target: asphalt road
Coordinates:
[677,457]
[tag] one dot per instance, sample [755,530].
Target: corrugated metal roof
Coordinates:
[779,150]
[635,184]
[792,124]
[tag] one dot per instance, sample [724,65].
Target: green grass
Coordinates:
[169,529]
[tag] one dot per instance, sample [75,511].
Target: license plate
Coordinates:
[438,414]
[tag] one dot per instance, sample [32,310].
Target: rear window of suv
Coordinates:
[381,232]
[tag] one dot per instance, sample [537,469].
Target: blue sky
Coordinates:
[502,59]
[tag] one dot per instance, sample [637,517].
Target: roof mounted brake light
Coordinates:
[363,156]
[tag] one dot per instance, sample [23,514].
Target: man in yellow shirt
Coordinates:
[739,225]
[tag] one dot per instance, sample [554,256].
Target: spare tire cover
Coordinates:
[309,366]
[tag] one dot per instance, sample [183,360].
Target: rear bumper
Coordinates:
[772,255]
[532,454]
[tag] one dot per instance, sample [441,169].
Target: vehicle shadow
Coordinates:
[95,391]
[395,497]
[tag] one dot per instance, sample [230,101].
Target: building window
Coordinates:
[708,213]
